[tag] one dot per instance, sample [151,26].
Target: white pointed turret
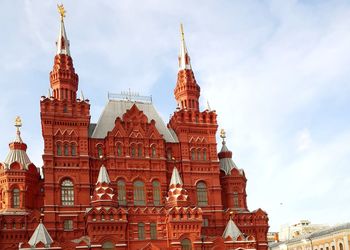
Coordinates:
[231,230]
[103,176]
[40,235]
[175,178]
[62,41]
[184,58]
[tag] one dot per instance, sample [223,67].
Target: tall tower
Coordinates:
[65,121]
[187,91]
[196,156]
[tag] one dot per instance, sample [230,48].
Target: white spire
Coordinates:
[231,230]
[208,106]
[103,176]
[62,41]
[175,178]
[184,59]
[40,235]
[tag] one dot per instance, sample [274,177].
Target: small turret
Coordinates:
[177,195]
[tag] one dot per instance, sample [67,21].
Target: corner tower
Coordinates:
[65,123]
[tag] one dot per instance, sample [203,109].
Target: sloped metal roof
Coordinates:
[40,235]
[175,178]
[116,108]
[103,176]
[226,164]
[231,230]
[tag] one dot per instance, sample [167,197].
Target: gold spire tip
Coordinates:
[61,10]
[182,31]
[223,134]
[18,122]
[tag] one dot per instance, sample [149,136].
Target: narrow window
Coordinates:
[235,200]
[66,149]
[154,151]
[341,246]
[74,150]
[153,231]
[193,154]
[99,151]
[333,247]
[141,230]
[133,151]
[15,198]
[59,149]
[67,193]
[108,246]
[204,155]
[139,193]
[65,109]
[139,151]
[68,225]
[198,154]
[202,198]
[119,150]
[156,193]
[186,244]
[121,192]
[205,222]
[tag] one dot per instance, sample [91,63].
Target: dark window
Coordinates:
[133,151]
[341,246]
[139,193]
[15,198]
[235,200]
[59,149]
[139,151]
[74,149]
[99,151]
[204,155]
[119,150]
[198,154]
[108,246]
[156,192]
[68,225]
[66,149]
[67,193]
[153,226]
[202,198]
[205,222]
[193,154]
[186,244]
[121,193]
[141,231]
[154,151]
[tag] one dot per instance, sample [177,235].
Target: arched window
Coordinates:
[121,192]
[59,149]
[141,230]
[108,246]
[186,244]
[66,149]
[193,154]
[154,152]
[133,151]
[198,154]
[67,193]
[139,193]
[119,150]
[202,198]
[204,155]
[15,198]
[341,246]
[99,151]
[156,193]
[139,151]
[235,200]
[74,150]
[153,226]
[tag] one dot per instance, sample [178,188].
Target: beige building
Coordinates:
[333,238]
[288,232]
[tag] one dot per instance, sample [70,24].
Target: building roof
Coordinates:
[231,230]
[116,108]
[175,178]
[62,41]
[40,235]
[226,162]
[103,176]
[184,59]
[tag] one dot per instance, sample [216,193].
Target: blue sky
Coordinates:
[276,72]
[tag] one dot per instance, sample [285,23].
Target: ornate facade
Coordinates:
[128,181]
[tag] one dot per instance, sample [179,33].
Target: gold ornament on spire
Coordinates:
[18,122]
[61,10]
[182,31]
[223,134]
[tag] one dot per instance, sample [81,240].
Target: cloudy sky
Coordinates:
[277,73]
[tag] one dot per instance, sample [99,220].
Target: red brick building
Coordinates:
[129,181]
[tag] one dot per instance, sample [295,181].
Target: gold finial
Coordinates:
[18,122]
[182,31]
[61,10]
[223,134]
